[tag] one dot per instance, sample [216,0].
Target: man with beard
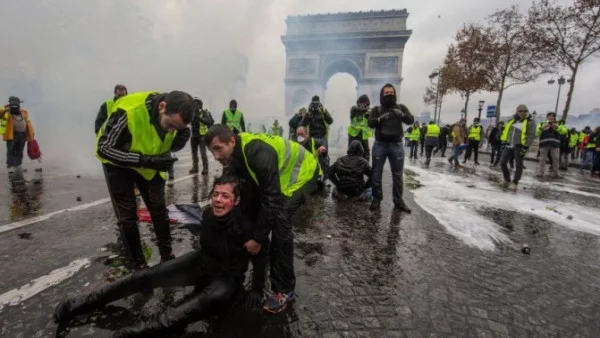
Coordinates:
[108,107]
[387,121]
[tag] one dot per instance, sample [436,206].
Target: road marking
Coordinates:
[29,221]
[55,277]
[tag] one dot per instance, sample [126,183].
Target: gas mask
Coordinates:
[15,109]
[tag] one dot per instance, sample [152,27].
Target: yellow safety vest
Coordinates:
[276,129]
[315,153]
[433,130]
[144,138]
[573,139]
[475,133]
[3,123]
[203,128]
[581,136]
[360,125]
[415,134]
[295,167]
[233,120]
[504,136]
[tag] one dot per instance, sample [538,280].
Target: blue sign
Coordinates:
[491,111]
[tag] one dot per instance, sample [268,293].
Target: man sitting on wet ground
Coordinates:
[347,175]
[217,269]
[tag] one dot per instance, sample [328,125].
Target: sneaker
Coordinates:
[374,205]
[278,301]
[476,163]
[450,161]
[193,171]
[401,206]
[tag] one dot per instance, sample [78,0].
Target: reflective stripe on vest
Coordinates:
[432,130]
[144,137]
[233,120]
[504,135]
[475,133]
[315,153]
[360,125]
[3,123]
[296,168]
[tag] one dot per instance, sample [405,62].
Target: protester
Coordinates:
[348,175]
[17,130]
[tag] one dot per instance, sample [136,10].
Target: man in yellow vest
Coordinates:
[234,118]
[517,136]
[359,124]
[280,174]
[474,135]
[414,135]
[107,107]
[200,124]
[16,130]
[276,129]
[135,146]
[431,140]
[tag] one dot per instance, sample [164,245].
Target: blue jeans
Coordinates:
[323,158]
[394,151]
[588,159]
[457,152]
[15,149]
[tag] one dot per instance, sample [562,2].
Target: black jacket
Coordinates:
[204,116]
[348,172]
[294,123]
[308,144]
[262,202]
[115,141]
[387,121]
[222,239]
[494,136]
[444,132]
[101,117]
[316,120]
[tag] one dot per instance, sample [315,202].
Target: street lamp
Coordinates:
[561,81]
[433,75]
[481,103]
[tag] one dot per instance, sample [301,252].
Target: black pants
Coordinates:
[365,145]
[15,149]
[283,277]
[199,142]
[442,145]
[120,183]
[509,154]
[213,294]
[428,152]
[495,154]
[422,141]
[414,148]
[473,147]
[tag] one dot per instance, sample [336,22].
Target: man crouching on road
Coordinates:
[281,175]
[217,270]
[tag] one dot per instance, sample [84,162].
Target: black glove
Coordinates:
[524,151]
[404,108]
[383,117]
[159,162]
[253,300]
[397,113]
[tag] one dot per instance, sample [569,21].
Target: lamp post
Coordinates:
[561,81]
[435,74]
[462,113]
[480,107]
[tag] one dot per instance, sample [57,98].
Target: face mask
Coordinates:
[388,100]
[301,139]
[15,109]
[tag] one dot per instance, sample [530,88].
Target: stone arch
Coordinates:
[367,45]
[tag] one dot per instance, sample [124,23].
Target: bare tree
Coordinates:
[466,66]
[513,58]
[569,34]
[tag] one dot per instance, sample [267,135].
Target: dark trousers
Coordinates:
[324,158]
[365,145]
[283,277]
[120,183]
[473,147]
[422,142]
[199,142]
[15,149]
[394,151]
[442,145]
[213,294]
[596,166]
[509,154]
[428,152]
[414,148]
[495,154]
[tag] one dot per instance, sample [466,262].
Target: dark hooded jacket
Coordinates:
[387,121]
[348,172]
[317,120]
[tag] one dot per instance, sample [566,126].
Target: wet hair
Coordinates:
[227,179]
[182,103]
[220,131]
[233,104]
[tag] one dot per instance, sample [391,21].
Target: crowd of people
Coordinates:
[266,179]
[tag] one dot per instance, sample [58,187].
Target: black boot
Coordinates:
[68,309]
[375,205]
[401,206]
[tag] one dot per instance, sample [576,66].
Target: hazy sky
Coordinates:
[63,57]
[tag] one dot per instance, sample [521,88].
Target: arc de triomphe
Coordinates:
[367,45]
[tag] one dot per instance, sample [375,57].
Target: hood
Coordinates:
[363,98]
[381,93]
[355,148]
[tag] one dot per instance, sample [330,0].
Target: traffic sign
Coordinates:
[491,111]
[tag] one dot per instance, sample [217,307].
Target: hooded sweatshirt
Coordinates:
[514,133]
[388,128]
[348,172]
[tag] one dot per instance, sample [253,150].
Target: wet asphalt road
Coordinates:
[381,274]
